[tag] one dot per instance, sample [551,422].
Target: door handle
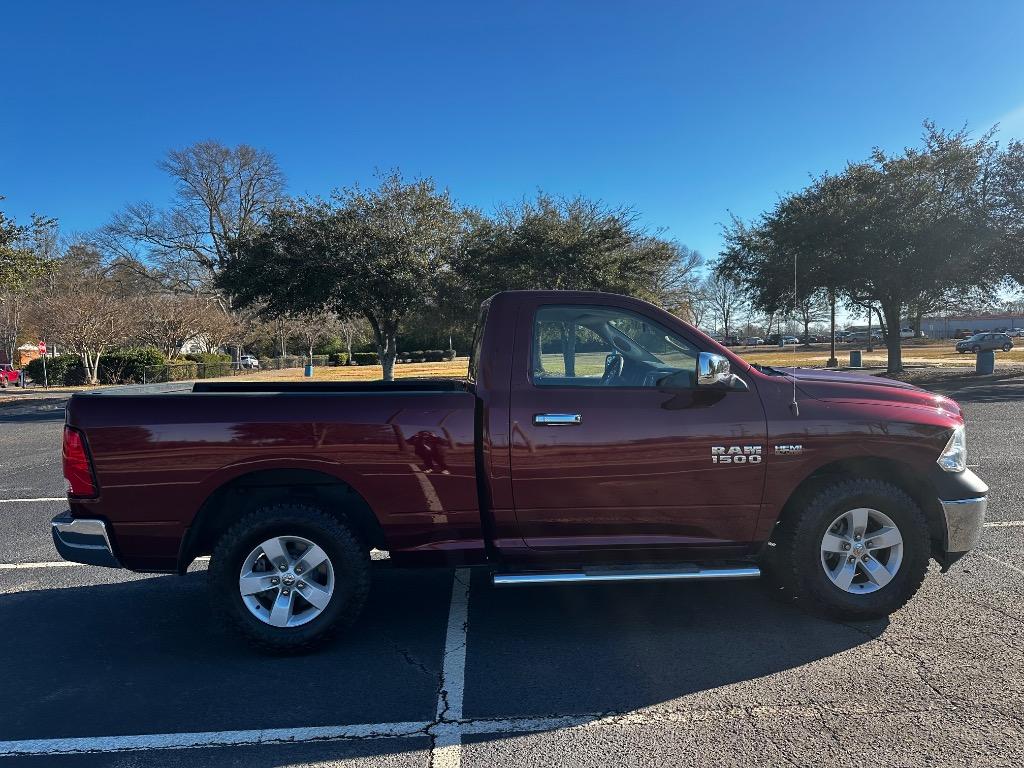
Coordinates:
[557,419]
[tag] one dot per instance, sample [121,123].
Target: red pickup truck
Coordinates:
[597,438]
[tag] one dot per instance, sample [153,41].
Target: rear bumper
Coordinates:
[83,540]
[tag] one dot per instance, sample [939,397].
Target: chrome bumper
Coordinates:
[83,540]
[964,519]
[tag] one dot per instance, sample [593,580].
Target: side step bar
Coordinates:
[596,575]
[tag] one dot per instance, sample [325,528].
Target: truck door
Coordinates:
[606,455]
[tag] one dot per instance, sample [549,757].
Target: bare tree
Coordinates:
[169,321]
[220,330]
[353,329]
[313,327]
[725,298]
[221,194]
[86,312]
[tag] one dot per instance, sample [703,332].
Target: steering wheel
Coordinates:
[613,365]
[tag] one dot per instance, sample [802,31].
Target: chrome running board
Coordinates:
[595,575]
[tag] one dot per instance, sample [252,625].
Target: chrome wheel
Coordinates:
[861,551]
[286,581]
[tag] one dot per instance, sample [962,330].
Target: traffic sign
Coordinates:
[42,347]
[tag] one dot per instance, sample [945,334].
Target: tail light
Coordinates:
[77,466]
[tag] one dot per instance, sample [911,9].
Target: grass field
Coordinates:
[457,369]
[929,352]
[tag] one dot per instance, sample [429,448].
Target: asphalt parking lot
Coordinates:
[103,667]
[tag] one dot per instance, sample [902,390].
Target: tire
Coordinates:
[1007,347]
[346,571]
[975,350]
[800,563]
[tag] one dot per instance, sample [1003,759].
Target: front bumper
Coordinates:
[964,520]
[83,540]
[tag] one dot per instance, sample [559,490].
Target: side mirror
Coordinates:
[712,369]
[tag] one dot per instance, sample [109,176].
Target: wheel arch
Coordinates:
[233,498]
[898,473]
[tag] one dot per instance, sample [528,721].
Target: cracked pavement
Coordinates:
[682,674]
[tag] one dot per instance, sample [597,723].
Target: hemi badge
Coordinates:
[788,450]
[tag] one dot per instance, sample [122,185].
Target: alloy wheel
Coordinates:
[861,551]
[286,581]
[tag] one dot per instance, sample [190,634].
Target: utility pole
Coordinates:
[832,362]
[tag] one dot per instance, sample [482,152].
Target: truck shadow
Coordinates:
[147,656]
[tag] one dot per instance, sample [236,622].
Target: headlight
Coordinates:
[954,456]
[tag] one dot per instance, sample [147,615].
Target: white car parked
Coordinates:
[249,361]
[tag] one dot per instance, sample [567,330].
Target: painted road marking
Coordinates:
[65,564]
[209,739]
[29,501]
[18,566]
[1002,562]
[447,736]
[1006,524]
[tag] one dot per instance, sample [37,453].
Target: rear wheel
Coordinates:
[858,550]
[288,576]
[975,349]
[1007,347]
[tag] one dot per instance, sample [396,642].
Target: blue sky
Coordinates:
[685,111]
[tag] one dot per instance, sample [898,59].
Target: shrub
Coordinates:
[61,370]
[433,355]
[338,358]
[365,358]
[130,366]
[449,354]
[208,358]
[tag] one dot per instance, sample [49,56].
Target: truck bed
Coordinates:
[407,447]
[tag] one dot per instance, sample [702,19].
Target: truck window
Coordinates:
[605,347]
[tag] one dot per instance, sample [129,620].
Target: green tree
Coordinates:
[26,256]
[897,232]
[383,253]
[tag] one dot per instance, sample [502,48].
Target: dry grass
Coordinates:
[455,369]
[938,353]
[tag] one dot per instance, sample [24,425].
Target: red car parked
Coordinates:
[643,450]
[8,375]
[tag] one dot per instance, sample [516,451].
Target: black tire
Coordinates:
[797,556]
[349,558]
[1007,347]
[975,350]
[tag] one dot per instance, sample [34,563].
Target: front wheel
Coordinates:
[288,576]
[858,550]
[1007,347]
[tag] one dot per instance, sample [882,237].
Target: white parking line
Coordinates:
[1006,524]
[29,501]
[1002,562]
[208,739]
[65,564]
[447,749]
[20,566]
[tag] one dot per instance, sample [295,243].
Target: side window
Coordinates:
[585,346]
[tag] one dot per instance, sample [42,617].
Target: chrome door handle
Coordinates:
[557,419]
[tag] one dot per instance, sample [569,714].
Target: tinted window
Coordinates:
[604,347]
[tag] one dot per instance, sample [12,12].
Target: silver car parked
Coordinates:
[982,342]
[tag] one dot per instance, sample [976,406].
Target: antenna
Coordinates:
[794,406]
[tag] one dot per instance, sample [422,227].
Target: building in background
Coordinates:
[947,327]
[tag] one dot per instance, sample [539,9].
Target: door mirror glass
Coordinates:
[712,369]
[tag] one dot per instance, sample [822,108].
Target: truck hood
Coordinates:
[822,384]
